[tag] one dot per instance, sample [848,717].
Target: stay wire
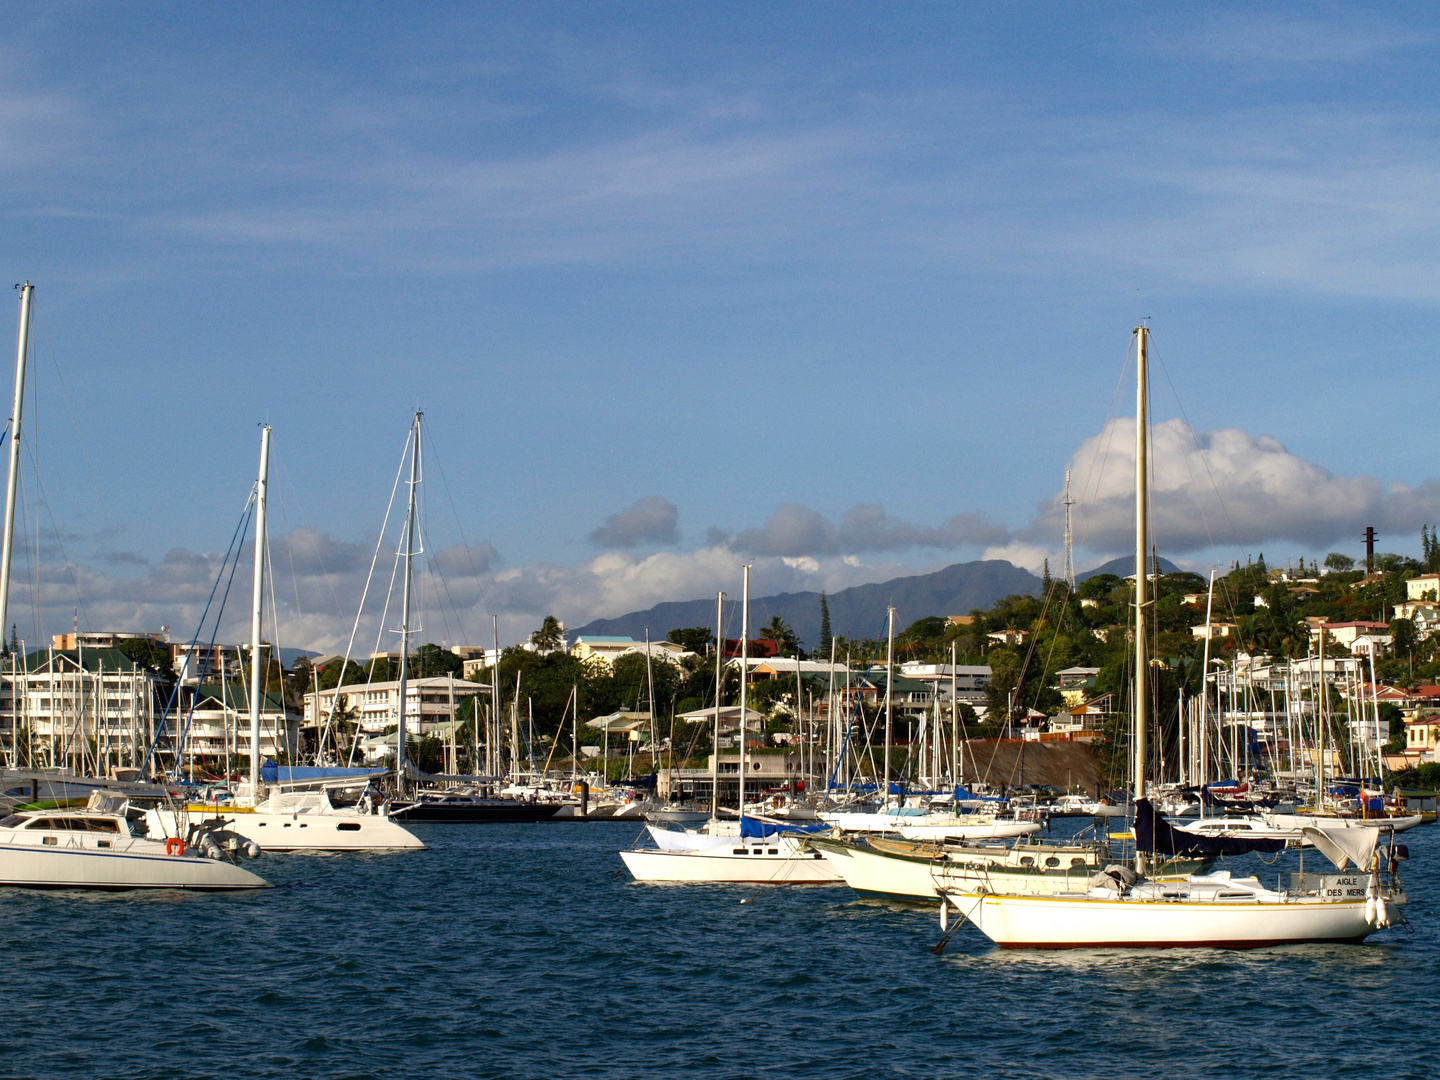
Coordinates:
[241,526]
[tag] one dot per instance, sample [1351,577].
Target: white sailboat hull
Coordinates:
[1083,922]
[913,880]
[768,863]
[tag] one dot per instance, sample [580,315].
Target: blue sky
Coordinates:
[838,289]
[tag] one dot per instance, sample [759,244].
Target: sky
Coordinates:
[837,290]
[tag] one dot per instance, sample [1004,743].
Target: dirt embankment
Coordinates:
[1012,762]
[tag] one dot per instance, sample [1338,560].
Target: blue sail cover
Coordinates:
[271,773]
[755,829]
[1154,834]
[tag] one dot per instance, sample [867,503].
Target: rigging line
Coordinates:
[205,668]
[241,525]
[319,556]
[42,330]
[1203,461]
[59,540]
[1108,436]
[290,557]
[475,572]
[360,611]
[438,572]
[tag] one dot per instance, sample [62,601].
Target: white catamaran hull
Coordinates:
[284,832]
[767,863]
[23,866]
[1083,922]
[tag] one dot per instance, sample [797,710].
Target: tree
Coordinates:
[694,639]
[1403,637]
[825,634]
[550,636]
[779,631]
[430,659]
[1339,563]
[147,653]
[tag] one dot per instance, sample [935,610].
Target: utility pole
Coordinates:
[1370,539]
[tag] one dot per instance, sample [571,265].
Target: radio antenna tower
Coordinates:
[1069,536]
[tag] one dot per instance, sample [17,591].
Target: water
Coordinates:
[516,951]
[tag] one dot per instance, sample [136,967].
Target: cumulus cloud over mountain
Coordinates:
[1224,487]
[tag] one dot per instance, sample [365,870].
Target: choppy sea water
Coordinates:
[519,951]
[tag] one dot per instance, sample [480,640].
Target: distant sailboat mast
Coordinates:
[257,670]
[401,784]
[7,552]
[1142,544]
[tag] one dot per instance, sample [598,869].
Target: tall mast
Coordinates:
[409,556]
[492,732]
[650,689]
[889,698]
[1142,546]
[1069,536]
[257,598]
[744,678]
[22,350]
[719,684]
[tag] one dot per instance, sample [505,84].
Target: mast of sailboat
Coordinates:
[889,697]
[257,598]
[650,689]
[1142,545]
[719,684]
[744,679]
[492,726]
[22,350]
[401,784]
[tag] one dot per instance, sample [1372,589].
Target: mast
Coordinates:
[1069,536]
[744,679]
[650,689]
[719,683]
[492,727]
[257,670]
[22,350]
[889,698]
[1142,544]
[409,556]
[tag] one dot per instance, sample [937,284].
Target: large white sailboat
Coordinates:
[745,851]
[1120,908]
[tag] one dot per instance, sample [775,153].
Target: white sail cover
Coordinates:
[1344,846]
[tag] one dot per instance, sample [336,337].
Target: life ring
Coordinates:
[174,846]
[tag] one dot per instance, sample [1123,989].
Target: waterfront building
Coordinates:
[430,705]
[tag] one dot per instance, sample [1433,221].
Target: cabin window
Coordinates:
[1052,861]
[43,823]
[1027,860]
[14,821]
[1076,862]
[349,826]
[50,840]
[740,851]
[774,851]
[102,843]
[101,825]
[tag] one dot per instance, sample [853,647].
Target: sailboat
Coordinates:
[1122,908]
[293,820]
[746,851]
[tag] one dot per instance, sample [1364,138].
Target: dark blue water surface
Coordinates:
[517,951]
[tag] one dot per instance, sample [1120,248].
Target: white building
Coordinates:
[430,705]
[61,707]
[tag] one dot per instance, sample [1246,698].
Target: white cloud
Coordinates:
[796,530]
[1225,488]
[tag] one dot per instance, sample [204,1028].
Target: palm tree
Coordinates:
[550,636]
[780,632]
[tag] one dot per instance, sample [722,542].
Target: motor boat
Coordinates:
[450,806]
[103,846]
